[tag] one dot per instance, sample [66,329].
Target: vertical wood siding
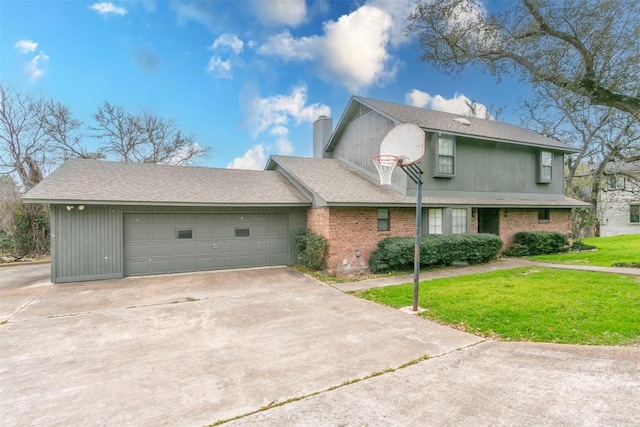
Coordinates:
[87,244]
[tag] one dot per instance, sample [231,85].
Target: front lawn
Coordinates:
[530,304]
[610,250]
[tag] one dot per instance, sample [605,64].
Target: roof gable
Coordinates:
[438,121]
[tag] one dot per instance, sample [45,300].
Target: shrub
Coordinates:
[538,243]
[397,253]
[31,230]
[312,248]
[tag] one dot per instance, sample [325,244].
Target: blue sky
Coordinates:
[247,78]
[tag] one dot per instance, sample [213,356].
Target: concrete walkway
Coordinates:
[501,264]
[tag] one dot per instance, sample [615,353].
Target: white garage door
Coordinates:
[157,243]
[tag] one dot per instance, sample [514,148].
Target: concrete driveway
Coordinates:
[193,349]
[197,348]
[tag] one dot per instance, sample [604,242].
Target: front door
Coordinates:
[489,221]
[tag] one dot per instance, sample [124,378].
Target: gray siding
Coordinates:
[486,169]
[361,140]
[88,245]
[493,170]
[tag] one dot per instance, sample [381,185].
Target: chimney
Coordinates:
[322,129]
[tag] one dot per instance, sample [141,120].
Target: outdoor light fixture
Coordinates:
[81,207]
[69,207]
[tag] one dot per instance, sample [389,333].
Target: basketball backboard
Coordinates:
[406,141]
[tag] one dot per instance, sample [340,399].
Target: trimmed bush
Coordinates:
[312,248]
[579,245]
[396,253]
[538,243]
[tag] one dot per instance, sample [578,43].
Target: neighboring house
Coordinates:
[111,220]
[619,199]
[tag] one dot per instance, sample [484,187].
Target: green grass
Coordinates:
[625,248]
[530,304]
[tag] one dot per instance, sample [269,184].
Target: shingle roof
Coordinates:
[444,122]
[142,183]
[336,183]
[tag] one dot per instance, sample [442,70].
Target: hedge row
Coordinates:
[537,243]
[397,253]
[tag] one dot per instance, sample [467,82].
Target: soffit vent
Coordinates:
[360,111]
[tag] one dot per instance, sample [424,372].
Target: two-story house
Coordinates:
[111,219]
[619,199]
[480,176]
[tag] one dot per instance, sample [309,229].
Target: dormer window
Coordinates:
[445,156]
[545,167]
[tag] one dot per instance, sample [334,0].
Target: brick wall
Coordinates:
[353,233]
[515,220]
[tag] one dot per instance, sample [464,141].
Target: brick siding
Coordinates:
[353,233]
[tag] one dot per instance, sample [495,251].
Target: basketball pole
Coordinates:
[415,173]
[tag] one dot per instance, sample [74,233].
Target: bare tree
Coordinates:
[604,135]
[143,138]
[36,134]
[586,47]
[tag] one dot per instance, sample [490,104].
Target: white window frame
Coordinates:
[459,220]
[435,220]
[635,220]
[545,163]
[442,153]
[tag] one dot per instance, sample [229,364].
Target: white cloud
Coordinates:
[274,111]
[456,105]
[286,47]
[197,11]
[25,46]
[228,40]
[33,68]
[398,10]
[219,68]
[353,49]
[284,145]
[253,159]
[106,8]
[281,12]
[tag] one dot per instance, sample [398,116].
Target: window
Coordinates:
[458,221]
[634,213]
[383,219]
[543,215]
[435,221]
[184,234]
[545,172]
[445,156]
[615,182]
[242,232]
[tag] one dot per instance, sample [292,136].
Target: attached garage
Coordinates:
[111,220]
[157,243]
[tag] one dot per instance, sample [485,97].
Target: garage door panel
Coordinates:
[162,250]
[186,264]
[223,262]
[184,249]
[162,219]
[275,231]
[136,219]
[162,234]
[223,233]
[139,234]
[137,250]
[277,245]
[161,266]
[276,259]
[259,231]
[242,246]
[152,246]
[203,233]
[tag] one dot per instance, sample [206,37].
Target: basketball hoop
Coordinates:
[385,163]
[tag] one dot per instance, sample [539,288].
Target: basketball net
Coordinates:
[385,163]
